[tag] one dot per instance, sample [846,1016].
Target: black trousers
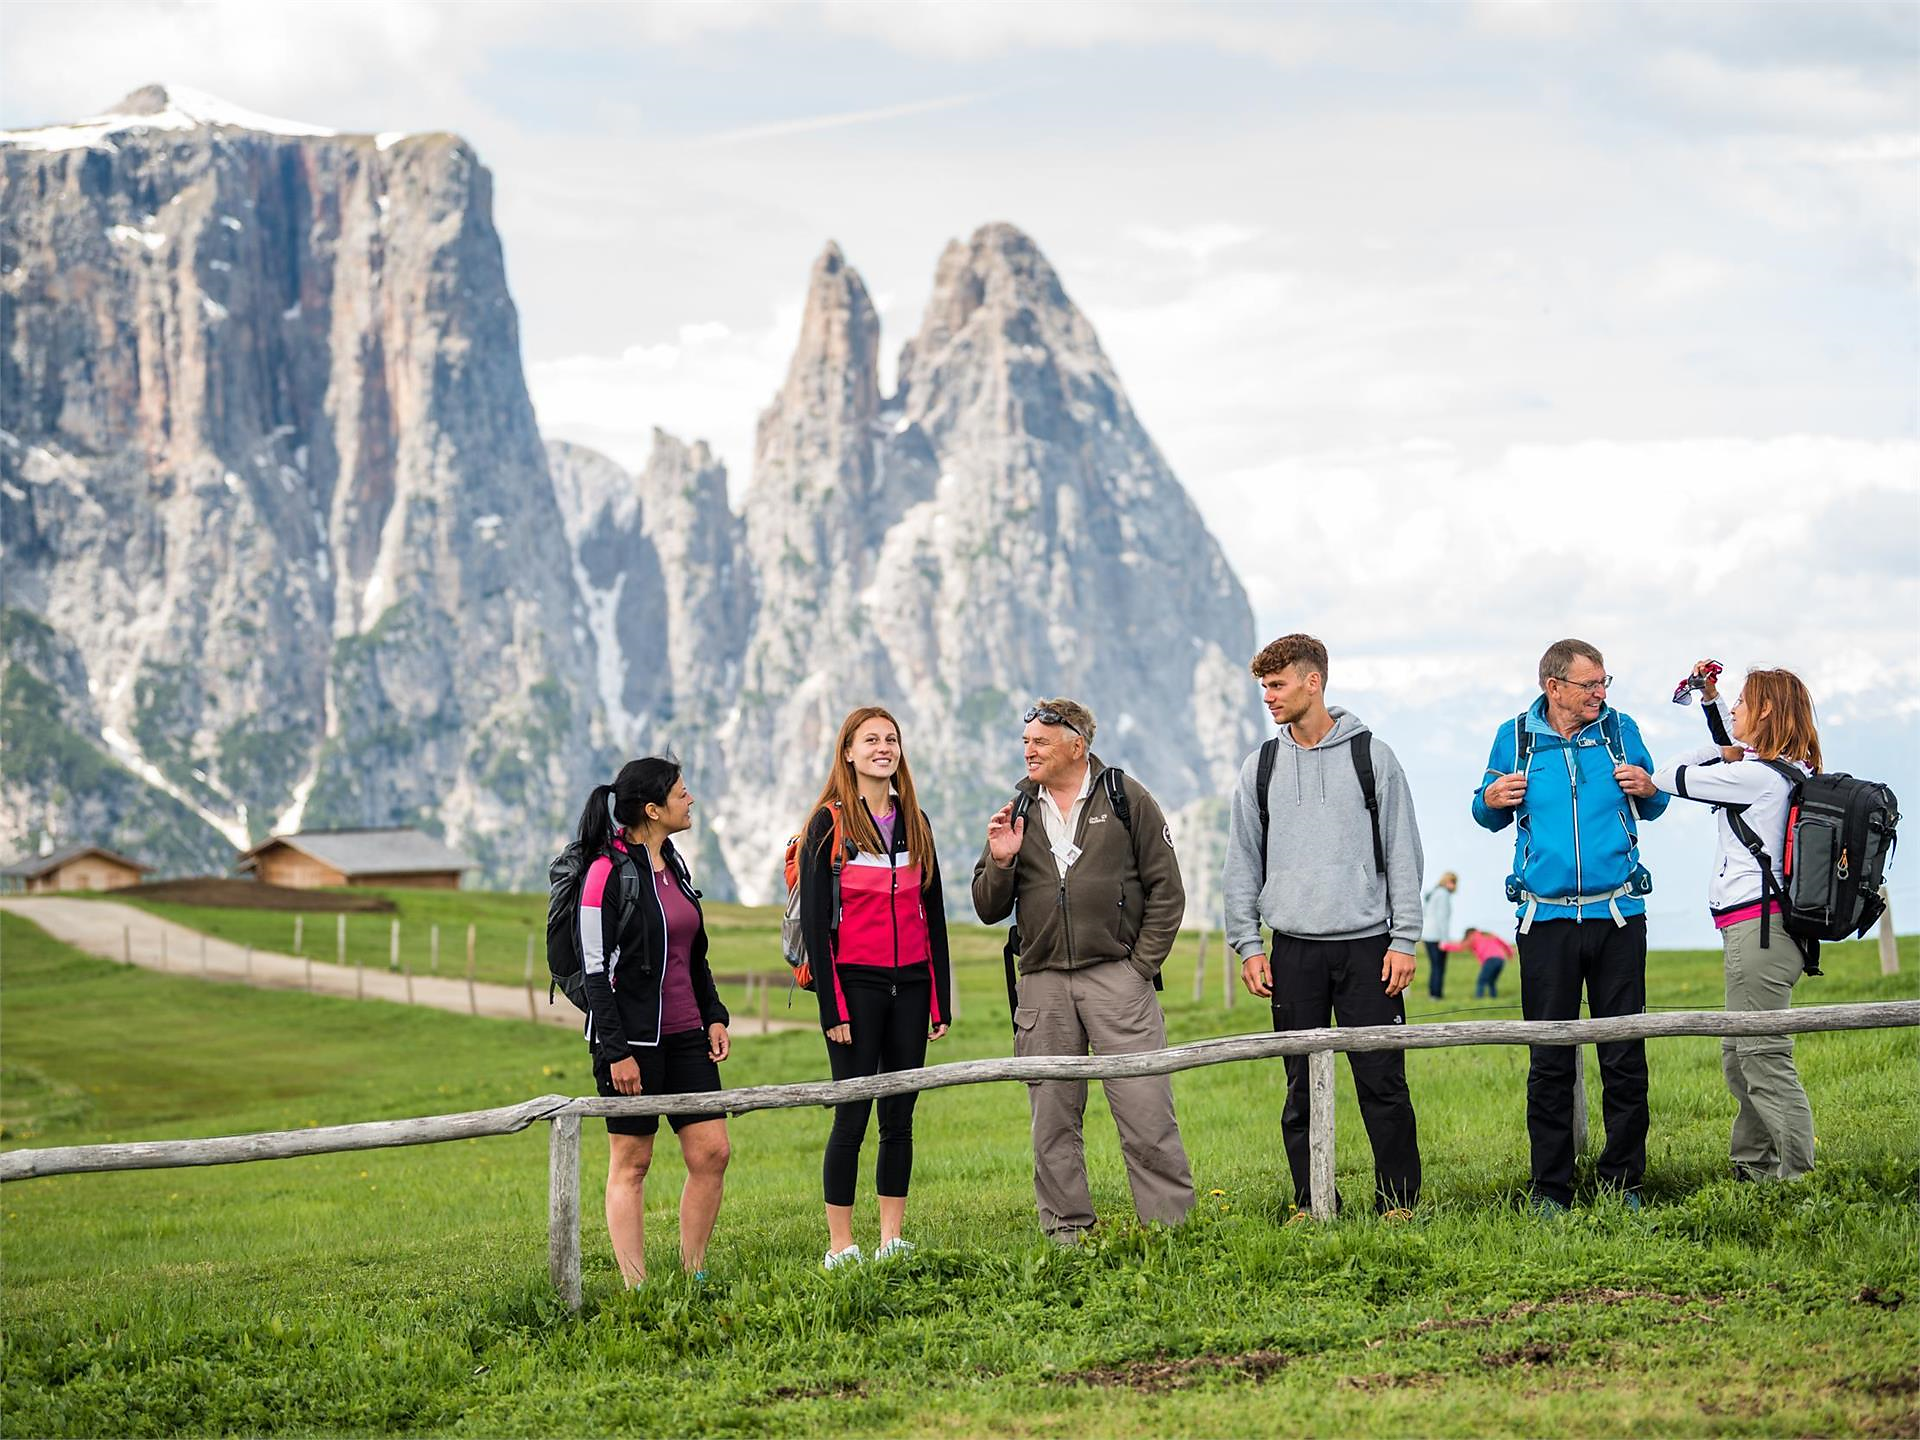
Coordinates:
[889,1019]
[1556,957]
[1314,983]
[1436,970]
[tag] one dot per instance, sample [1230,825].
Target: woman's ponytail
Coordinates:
[596,820]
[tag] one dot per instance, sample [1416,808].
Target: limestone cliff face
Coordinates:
[659,561]
[271,467]
[1001,528]
[282,545]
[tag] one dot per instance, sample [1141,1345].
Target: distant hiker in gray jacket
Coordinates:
[1332,863]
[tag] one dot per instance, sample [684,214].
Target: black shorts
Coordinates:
[678,1065]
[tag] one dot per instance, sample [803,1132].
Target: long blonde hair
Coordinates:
[843,789]
[1780,723]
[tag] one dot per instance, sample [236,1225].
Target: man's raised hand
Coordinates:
[1004,834]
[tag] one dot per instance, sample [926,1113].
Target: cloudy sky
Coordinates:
[1467,326]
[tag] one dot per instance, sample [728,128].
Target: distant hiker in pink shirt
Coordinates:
[1493,954]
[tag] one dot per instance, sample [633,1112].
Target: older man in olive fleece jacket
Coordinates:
[1099,905]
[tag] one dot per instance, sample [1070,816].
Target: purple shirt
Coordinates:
[679,1011]
[884,824]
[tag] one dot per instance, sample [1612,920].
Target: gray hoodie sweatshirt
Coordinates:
[1321,880]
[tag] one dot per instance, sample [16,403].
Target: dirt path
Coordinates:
[125,933]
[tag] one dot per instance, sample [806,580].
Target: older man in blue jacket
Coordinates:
[1573,772]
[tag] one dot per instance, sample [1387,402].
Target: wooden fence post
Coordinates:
[473,1003]
[532,1014]
[299,934]
[360,975]
[126,943]
[1320,1133]
[433,951]
[1579,1099]
[563,1208]
[393,946]
[340,940]
[406,964]
[1889,951]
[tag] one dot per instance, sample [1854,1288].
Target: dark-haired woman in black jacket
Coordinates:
[655,1023]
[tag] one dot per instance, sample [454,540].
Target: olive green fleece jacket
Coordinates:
[1121,900]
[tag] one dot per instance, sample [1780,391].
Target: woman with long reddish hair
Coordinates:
[875,929]
[1760,751]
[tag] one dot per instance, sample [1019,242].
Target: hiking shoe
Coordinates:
[1399,1215]
[1545,1208]
[894,1249]
[834,1259]
[1631,1199]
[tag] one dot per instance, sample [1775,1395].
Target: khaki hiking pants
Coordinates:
[1773,1128]
[1103,1009]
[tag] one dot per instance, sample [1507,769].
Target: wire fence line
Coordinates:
[564,1113]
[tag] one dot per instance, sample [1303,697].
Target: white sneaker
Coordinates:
[837,1258]
[893,1249]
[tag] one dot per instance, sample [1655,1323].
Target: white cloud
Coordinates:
[1821,95]
[1199,243]
[1677,277]
[808,124]
[965,30]
[709,386]
[1442,576]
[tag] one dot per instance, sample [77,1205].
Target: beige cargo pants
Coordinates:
[1773,1124]
[1103,1009]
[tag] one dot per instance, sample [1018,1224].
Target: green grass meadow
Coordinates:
[406,1290]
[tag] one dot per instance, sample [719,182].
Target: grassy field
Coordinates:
[406,1290]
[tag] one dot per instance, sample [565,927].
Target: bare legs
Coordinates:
[706,1150]
[628,1157]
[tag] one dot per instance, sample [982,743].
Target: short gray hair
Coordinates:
[1560,657]
[1073,713]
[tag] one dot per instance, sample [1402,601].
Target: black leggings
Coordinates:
[889,1019]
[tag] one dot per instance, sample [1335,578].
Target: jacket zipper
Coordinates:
[666,942]
[1573,782]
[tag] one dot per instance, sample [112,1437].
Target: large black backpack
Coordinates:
[565,876]
[1840,835]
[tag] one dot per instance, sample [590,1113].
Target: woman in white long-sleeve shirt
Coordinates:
[1773,720]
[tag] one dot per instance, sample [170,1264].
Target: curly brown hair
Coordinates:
[1302,650]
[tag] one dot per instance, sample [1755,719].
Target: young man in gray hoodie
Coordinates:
[1338,880]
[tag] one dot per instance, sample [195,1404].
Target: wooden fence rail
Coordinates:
[565,1114]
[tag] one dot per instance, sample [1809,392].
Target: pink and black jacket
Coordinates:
[883,922]
[623,964]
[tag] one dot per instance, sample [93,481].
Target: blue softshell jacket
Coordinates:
[1576,830]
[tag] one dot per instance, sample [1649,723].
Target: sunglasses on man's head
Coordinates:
[1049,717]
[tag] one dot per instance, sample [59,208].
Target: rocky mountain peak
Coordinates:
[835,372]
[147,100]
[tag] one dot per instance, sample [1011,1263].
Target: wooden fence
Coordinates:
[564,1114]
